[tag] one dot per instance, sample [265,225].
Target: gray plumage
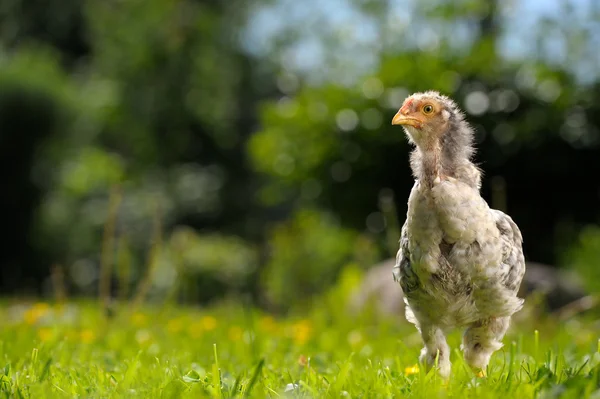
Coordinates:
[460,263]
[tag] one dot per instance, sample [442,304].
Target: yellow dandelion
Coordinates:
[138,319]
[302,331]
[34,313]
[87,336]
[208,323]
[174,326]
[268,324]
[481,373]
[235,333]
[412,370]
[45,334]
[195,329]
[42,307]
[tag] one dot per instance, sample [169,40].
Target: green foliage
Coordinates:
[305,256]
[294,140]
[340,135]
[159,98]
[166,66]
[584,257]
[229,257]
[332,145]
[208,265]
[37,68]
[93,170]
[149,103]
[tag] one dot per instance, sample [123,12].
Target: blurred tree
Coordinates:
[161,102]
[35,103]
[54,24]
[584,257]
[207,266]
[160,99]
[306,254]
[330,144]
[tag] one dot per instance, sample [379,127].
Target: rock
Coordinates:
[379,289]
[558,287]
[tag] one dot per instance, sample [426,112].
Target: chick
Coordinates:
[460,263]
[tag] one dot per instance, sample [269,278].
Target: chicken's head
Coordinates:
[426,117]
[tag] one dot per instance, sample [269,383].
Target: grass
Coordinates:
[227,351]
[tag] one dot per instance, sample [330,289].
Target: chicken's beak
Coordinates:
[401,119]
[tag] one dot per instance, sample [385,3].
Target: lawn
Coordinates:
[226,350]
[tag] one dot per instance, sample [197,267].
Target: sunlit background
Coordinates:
[193,150]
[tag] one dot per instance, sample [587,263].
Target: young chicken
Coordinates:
[460,263]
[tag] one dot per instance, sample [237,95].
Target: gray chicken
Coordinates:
[460,263]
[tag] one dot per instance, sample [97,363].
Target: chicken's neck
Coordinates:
[430,162]
[431,165]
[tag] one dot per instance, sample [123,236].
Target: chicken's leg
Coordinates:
[481,340]
[435,347]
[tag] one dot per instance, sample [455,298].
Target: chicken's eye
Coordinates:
[427,109]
